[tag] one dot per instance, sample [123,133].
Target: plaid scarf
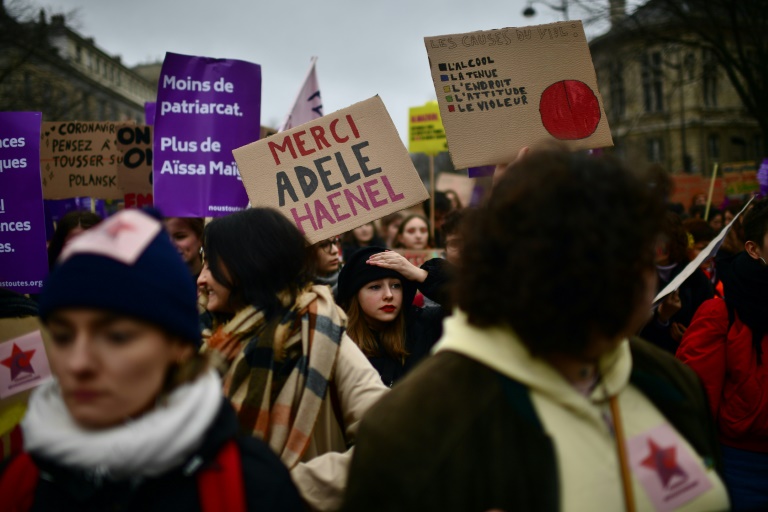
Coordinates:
[278,372]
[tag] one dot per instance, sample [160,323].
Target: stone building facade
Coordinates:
[671,104]
[48,67]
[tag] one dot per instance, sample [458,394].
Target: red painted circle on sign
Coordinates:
[569,110]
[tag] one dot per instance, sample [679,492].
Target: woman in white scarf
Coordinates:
[135,419]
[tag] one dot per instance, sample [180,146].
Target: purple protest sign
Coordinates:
[205,109]
[23,258]
[762,177]
[149,112]
[481,172]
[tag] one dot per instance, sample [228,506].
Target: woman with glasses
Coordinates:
[295,378]
[325,262]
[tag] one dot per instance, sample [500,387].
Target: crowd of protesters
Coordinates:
[229,365]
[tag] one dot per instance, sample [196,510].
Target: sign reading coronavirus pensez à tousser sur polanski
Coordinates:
[23,259]
[205,108]
[335,173]
[501,90]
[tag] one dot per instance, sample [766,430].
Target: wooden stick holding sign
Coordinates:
[333,174]
[426,135]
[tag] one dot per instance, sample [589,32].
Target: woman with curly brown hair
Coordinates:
[535,399]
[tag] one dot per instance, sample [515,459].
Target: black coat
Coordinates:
[268,485]
[423,329]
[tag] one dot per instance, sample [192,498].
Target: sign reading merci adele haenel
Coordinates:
[335,173]
[501,90]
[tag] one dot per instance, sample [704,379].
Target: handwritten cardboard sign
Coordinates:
[79,159]
[134,172]
[335,173]
[425,130]
[501,90]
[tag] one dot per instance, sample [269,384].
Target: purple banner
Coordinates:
[149,112]
[762,177]
[23,257]
[205,109]
[481,172]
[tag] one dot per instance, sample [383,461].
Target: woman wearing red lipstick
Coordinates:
[376,288]
[135,419]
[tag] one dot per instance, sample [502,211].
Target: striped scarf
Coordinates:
[278,372]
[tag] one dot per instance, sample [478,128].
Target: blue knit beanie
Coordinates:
[126,265]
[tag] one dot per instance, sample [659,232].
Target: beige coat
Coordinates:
[322,475]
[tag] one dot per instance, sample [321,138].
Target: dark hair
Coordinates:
[560,250]
[698,211]
[264,254]
[195,224]
[397,245]
[70,221]
[450,192]
[756,222]
[442,203]
[699,229]
[453,222]
[677,238]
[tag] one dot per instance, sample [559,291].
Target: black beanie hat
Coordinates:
[357,273]
[128,265]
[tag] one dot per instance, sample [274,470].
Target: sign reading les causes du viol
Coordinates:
[335,173]
[501,90]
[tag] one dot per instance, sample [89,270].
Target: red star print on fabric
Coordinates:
[19,362]
[664,462]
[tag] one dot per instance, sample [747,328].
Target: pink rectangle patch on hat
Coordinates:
[122,237]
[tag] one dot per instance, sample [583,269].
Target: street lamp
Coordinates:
[530,12]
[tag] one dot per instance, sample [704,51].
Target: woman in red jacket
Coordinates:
[724,346]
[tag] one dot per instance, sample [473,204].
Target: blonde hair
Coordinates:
[391,338]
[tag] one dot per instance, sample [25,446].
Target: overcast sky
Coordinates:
[363,47]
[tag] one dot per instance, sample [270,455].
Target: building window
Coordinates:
[709,79]
[78,53]
[655,149]
[713,146]
[85,107]
[616,81]
[653,83]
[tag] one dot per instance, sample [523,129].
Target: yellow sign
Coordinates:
[425,130]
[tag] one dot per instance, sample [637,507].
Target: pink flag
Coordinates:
[308,104]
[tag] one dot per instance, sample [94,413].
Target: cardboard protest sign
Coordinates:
[205,109]
[419,257]
[425,130]
[501,90]
[708,252]
[23,256]
[23,364]
[79,159]
[134,173]
[333,174]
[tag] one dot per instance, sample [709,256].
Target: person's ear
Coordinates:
[754,251]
